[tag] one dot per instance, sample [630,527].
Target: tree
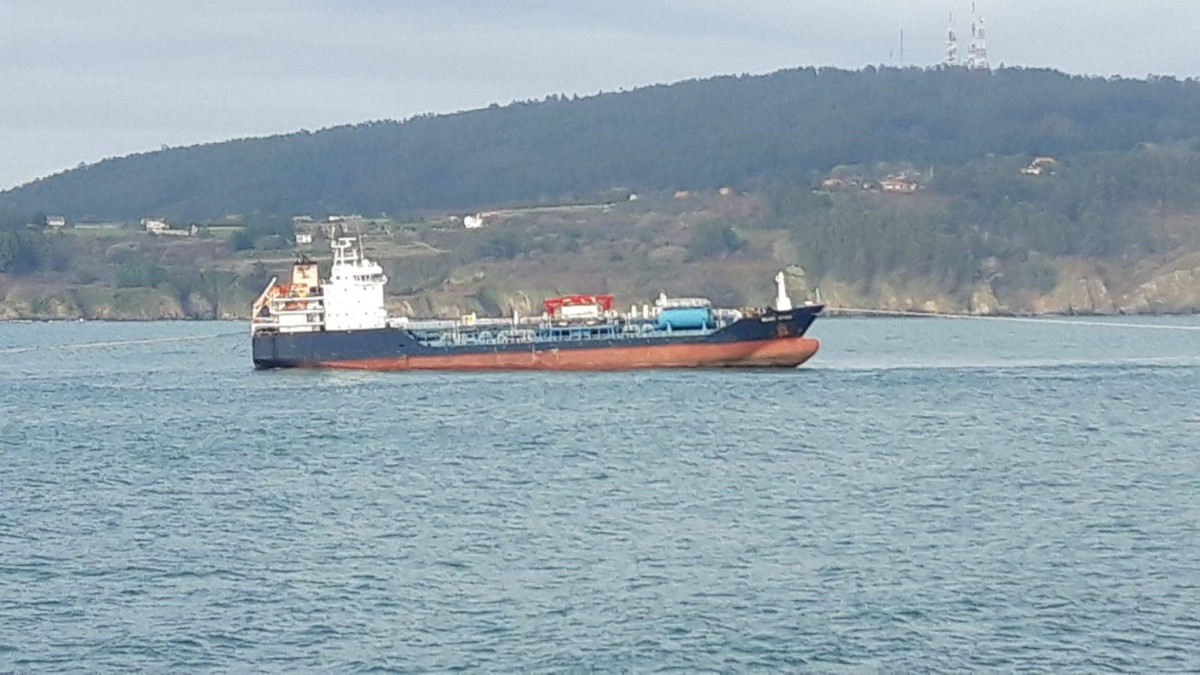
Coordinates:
[20,251]
[241,240]
[714,239]
[137,272]
[502,243]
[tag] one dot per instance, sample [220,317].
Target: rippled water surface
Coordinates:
[925,495]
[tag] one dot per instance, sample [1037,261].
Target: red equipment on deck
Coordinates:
[554,305]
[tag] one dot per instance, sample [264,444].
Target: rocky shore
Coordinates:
[1081,287]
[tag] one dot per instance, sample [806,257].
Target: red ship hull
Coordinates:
[769,353]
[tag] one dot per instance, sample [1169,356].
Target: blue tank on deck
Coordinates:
[686,318]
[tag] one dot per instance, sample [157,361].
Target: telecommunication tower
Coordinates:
[977,56]
[980,62]
[951,45]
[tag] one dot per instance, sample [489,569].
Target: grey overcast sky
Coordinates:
[81,80]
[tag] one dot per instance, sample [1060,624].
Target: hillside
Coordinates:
[1018,191]
[694,135]
[1100,233]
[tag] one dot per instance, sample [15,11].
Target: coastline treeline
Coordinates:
[702,134]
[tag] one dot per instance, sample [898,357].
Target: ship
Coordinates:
[342,322]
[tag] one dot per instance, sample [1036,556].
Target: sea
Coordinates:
[925,495]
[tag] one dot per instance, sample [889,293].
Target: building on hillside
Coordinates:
[155,225]
[161,227]
[682,194]
[725,191]
[483,218]
[899,185]
[301,220]
[56,222]
[304,238]
[1040,166]
[835,183]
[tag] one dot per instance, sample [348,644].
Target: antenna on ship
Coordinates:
[358,237]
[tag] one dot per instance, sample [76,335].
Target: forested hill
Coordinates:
[695,134]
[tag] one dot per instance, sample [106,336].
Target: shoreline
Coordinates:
[827,315]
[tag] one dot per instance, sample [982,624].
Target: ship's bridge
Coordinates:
[351,299]
[354,292]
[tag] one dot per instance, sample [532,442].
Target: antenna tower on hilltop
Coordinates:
[977,57]
[951,45]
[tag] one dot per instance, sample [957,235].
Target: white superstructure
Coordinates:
[354,292]
[350,299]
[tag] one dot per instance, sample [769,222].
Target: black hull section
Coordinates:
[322,348]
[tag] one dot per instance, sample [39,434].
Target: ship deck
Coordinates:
[453,334]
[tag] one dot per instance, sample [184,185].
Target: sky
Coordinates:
[82,80]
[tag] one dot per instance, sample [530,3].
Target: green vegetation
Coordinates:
[118,273]
[807,152]
[491,301]
[504,244]
[695,135]
[137,272]
[714,239]
[21,251]
[1095,205]
[265,233]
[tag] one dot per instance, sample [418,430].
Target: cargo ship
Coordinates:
[342,322]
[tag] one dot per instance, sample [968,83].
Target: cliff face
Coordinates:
[1170,291]
[1076,295]
[1173,288]
[1174,291]
[497,287]
[49,302]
